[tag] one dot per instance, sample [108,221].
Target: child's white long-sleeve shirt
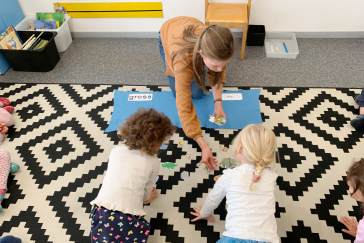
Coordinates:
[250,214]
[129,180]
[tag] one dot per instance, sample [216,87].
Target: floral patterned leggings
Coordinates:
[115,226]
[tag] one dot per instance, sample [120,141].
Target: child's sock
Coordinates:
[9,108]
[4,102]
[14,167]
[358,122]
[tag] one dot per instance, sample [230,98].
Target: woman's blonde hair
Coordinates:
[259,147]
[215,42]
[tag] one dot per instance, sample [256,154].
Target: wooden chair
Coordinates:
[229,15]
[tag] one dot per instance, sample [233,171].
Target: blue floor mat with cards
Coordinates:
[240,113]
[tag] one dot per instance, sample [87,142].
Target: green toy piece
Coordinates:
[228,163]
[169,165]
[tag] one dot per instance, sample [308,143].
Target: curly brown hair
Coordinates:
[355,175]
[146,130]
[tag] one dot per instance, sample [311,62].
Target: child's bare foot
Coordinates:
[153,194]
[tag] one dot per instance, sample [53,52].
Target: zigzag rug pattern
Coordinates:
[59,142]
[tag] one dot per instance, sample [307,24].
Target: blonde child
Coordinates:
[355,180]
[249,190]
[186,46]
[117,212]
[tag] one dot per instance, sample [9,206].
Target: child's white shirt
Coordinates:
[250,214]
[129,180]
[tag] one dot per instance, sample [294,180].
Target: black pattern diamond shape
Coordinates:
[15,192]
[30,111]
[58,110]
[58,149]
[328,203]
[352,139]
[288,158]
[63,212]
[333,119]
[284,102]
[84,101]
[31,222]
[41,179]
[326,162]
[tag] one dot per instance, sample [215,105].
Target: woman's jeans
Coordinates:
[196,91]
[361,98]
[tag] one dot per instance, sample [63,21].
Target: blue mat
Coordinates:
[240,113]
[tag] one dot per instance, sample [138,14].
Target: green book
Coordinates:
[51,16]
[39,44]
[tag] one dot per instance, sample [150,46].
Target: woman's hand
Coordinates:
[198,216]
[219,111]
[207,157]
[351,224]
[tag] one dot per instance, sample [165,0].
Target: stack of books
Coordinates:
[34,43]
[10,40]
[48,20]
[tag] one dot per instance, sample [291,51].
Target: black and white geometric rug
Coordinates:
[59,142]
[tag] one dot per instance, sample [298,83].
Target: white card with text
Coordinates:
[232,96]
[140,97]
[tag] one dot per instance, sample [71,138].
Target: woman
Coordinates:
[186,46]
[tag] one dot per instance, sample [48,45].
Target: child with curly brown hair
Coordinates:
[117,212]
[355,180]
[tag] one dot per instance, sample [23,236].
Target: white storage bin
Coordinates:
[63,38]
[274,46]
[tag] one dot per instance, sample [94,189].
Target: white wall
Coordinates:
[276,15]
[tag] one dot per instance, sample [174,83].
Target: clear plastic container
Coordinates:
[63,38]
[281,45]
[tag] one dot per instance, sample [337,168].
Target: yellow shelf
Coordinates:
[114,10]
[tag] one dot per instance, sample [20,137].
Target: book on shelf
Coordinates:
[51,16]
[34,44]
[45,24]
[31,41]
[10,39]
[39,44]
[25,43]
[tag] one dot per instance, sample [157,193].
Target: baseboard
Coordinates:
[238,34]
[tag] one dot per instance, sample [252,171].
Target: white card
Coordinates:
[140,97]
[232,96]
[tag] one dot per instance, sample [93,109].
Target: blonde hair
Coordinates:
[215,42]
[259,147]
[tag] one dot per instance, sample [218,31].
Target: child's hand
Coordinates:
[198,216]
[352,225]
[153,194]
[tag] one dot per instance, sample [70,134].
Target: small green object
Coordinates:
[228,163]
[218,120]
[169,165]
